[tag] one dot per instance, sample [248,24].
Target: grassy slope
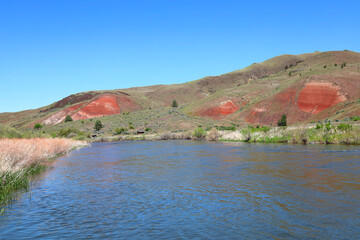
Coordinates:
[256,85]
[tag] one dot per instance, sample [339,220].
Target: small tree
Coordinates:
[98,125]
[68,119]
[37,126]
[282,121]
[174,104]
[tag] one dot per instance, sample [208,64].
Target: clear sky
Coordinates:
[50,49]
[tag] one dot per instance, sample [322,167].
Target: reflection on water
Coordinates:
[188,189]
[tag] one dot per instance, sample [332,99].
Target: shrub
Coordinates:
[264,129]
[98,125]
[290,74]
[343,64]
[324,66]
[356,118]
[8,132]
[223,128]
[147,129]
[345,127]
[282,121]
[335,64]
[174,104]
[319,126]
[68,119]
[37,126]
[65,132]
[199,133]
[120,130]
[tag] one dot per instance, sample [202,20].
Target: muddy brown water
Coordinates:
[193,190]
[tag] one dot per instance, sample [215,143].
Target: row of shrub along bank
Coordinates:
[320,134]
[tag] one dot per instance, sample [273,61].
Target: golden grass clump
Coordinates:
[17,154]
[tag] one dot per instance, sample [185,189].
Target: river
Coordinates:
[192,190]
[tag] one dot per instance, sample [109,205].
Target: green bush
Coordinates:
[98,125]
[345,127]
[68,119]
[328,126]
[80,137]
[264,129]
[64,132]
[8,132]
[174,104]
[120,130]
[37,126]
[223,128]
[199,133]
[282,122]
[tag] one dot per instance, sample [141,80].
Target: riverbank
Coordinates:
[21,158]
[345,134]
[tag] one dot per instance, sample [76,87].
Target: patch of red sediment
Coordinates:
[103,106]
[255,115]
[287,96]
[227,107]
[61,115]
[318,96]
[224,108]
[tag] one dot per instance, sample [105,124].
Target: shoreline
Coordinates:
[341,134]
[224,140]
[22,158]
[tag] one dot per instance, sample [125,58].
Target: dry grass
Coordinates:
[174,136]
[18,154]
[213,135]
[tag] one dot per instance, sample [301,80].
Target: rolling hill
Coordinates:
[307,87]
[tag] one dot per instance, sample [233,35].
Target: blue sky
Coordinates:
[51,49]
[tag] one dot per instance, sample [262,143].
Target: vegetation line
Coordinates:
[322,133]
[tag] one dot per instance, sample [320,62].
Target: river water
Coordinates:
[193,190]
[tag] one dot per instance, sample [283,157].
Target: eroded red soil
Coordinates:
[222,109]
[61,115]
[103,106]
[318,96]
